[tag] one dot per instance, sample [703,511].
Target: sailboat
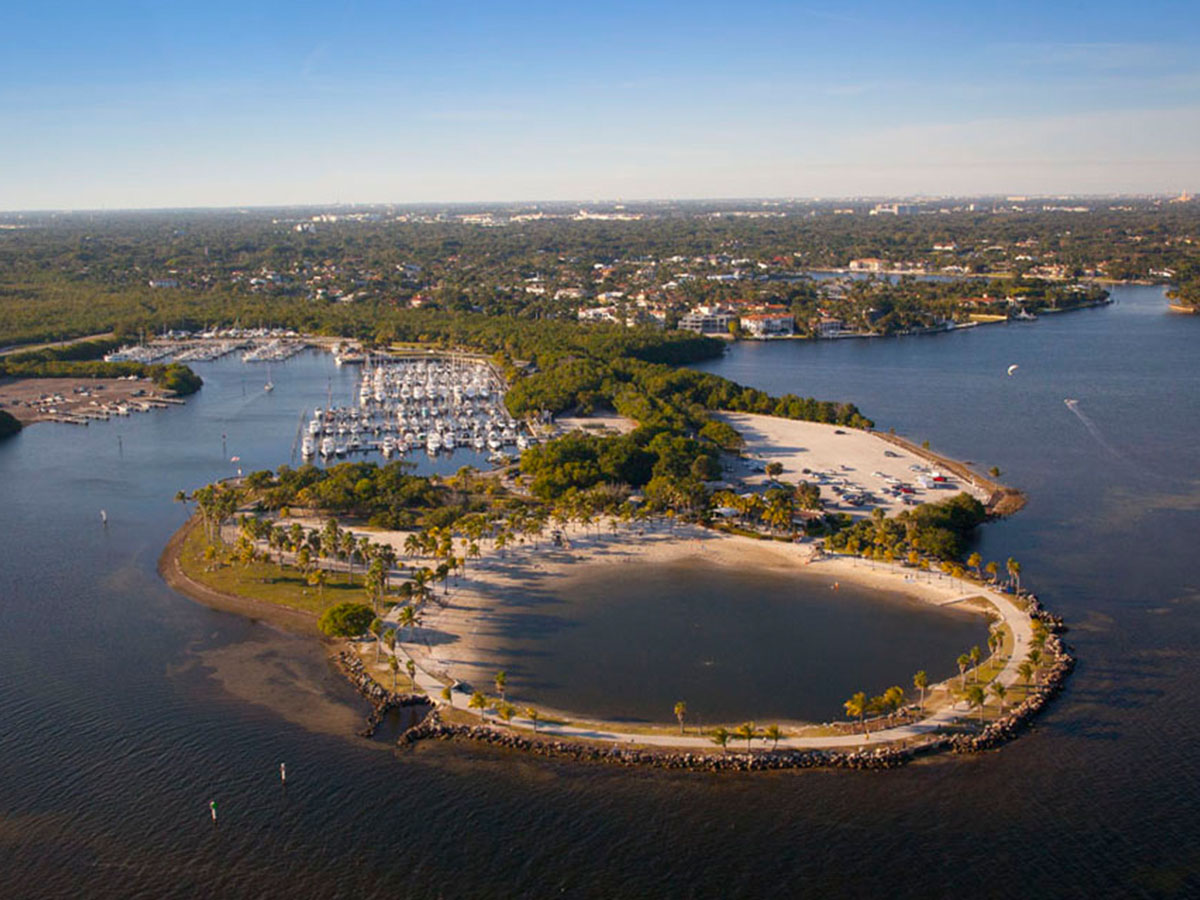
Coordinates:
[270,385]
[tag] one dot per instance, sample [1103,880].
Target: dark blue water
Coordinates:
[124,708]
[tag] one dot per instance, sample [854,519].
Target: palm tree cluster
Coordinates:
[890,702]
[774,509]
[748,732]
[311,548]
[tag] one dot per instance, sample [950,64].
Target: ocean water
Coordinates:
[125,709]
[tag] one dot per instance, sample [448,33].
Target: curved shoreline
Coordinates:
[169,567]
[604,741]
[465,616]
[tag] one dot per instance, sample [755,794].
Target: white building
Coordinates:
[769,324]
[704,320]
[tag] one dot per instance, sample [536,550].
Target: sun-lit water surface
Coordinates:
[120,722]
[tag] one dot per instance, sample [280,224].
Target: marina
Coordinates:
[256,345]
[404,405]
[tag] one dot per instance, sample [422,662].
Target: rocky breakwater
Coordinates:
[432,728]
[1049,682]
[382,700]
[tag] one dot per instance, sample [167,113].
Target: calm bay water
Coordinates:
[124,708]
[628,641]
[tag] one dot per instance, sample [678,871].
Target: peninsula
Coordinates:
[413,570]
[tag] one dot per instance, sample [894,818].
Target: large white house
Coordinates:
[769,324]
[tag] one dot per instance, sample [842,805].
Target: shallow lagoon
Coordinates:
[627,641]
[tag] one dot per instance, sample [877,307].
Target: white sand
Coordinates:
[465,638]
[851,457]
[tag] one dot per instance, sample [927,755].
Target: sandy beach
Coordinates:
[462,634]
[845,457]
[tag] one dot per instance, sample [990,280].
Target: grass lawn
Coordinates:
[266,581]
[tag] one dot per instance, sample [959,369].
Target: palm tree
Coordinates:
[374,583]
[720,737]
[479,701]
[316,578]
[407,619]
[1014,572]
[442,574]
[975,561]
[376,628]
[420,584]
[349,549]
[999,691]
[976,698]
[893,699]
[411,668]
[921,682]
[680,712]
[412,544]
[295,534]
[773,733]
[1025,670]
[856,708]
[394,665]
[976,655]
[389,638]
[748,731]
[991,568]
[501,680]
[532,715]
[507,711]
[964,662]
[277,541]
[385,554]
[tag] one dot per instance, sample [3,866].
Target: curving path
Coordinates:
[1016,619]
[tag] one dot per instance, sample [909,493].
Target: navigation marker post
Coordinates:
[212,807]
[283,774]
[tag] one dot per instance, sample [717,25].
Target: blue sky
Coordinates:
[155,104]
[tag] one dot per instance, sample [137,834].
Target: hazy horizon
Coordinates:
[219,105]
[583,203]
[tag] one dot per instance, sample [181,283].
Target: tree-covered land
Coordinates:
[941,530]
[362,272]
[83,360]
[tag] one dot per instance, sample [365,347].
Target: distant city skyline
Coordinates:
[126,106]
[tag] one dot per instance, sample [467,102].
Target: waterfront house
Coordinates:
[769,324]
